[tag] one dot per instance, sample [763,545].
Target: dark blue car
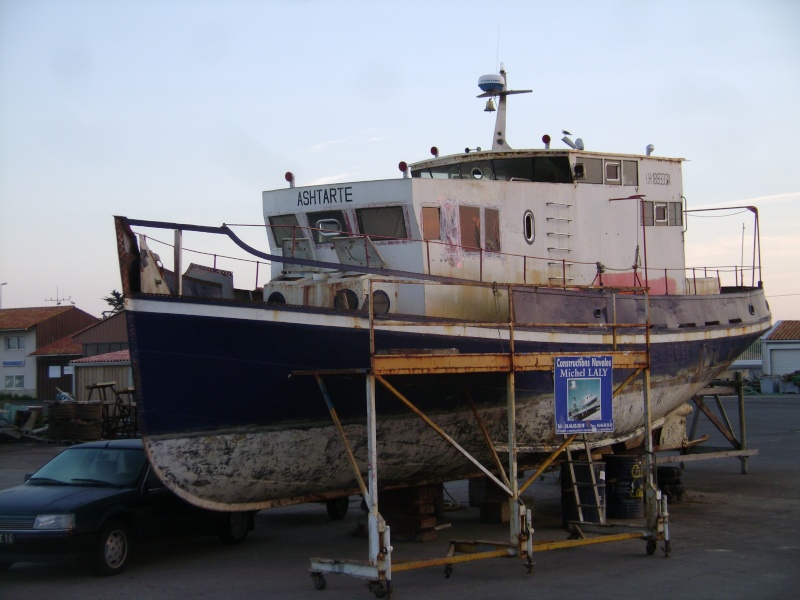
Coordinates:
[97,500]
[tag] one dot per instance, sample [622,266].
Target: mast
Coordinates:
[497,86]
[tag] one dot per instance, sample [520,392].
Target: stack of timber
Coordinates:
[74,421]
[493,503]
[413,513]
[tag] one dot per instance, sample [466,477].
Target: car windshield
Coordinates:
[92,466]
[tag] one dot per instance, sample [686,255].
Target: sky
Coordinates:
[185,110]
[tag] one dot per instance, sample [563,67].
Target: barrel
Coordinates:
[569,508]
[625,481]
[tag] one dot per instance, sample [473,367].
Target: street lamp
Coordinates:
[1,293]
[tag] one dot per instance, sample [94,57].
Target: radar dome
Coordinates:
[491,83]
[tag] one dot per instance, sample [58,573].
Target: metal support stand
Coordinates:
[379,567]
[738,446]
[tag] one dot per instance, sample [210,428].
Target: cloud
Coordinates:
[759,201]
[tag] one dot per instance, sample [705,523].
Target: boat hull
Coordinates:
[227,425]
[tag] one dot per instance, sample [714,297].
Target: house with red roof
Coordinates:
[35,348]
[780,352]
[97,353]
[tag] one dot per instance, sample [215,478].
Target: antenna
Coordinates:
[497,56]
[58,300]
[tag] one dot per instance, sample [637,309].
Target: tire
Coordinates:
[319,581]
[112,549]
[337,507]
[668,472]
[236,528]
[675,489]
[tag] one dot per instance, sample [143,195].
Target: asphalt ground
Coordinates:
[733,536]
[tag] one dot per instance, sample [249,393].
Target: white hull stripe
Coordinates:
[487,332]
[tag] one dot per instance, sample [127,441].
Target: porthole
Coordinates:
[598,313]
[276,298]
[752,309]
[528,227]
[382,304]
[477,173]
[345,300]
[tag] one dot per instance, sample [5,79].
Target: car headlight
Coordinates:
[54,521]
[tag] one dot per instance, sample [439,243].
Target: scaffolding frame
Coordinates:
[379,567]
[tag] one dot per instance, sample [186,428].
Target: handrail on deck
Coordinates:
[691,274]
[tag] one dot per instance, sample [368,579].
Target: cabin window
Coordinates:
[14,342]
[492,230]
[613,170]
[630,173]
[14,382]
[431,229]
[470,224]
[528,227]
[283,227]
[662,214]
[386,222]
[327,224]
[592,169]
[469,218]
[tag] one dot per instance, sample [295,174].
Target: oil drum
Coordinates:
[625,482]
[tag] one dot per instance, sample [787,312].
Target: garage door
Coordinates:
[784,361]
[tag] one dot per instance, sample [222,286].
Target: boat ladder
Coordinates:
[587,479]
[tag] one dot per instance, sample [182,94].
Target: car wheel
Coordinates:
[337,507]
[112,549]
[236,528]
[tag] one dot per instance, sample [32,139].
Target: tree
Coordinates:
[116,301]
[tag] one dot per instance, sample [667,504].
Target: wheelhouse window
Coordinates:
[549,169]
[552,169]
[608,171]
[283,227]
[514,169]
[592,169]
[440,172]
[662,214]
[613,172]
[385,222]
[431,229]
[630,172]
[675,216]
[327,224]
[484,169]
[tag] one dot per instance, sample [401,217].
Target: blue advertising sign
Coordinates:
[583,392]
